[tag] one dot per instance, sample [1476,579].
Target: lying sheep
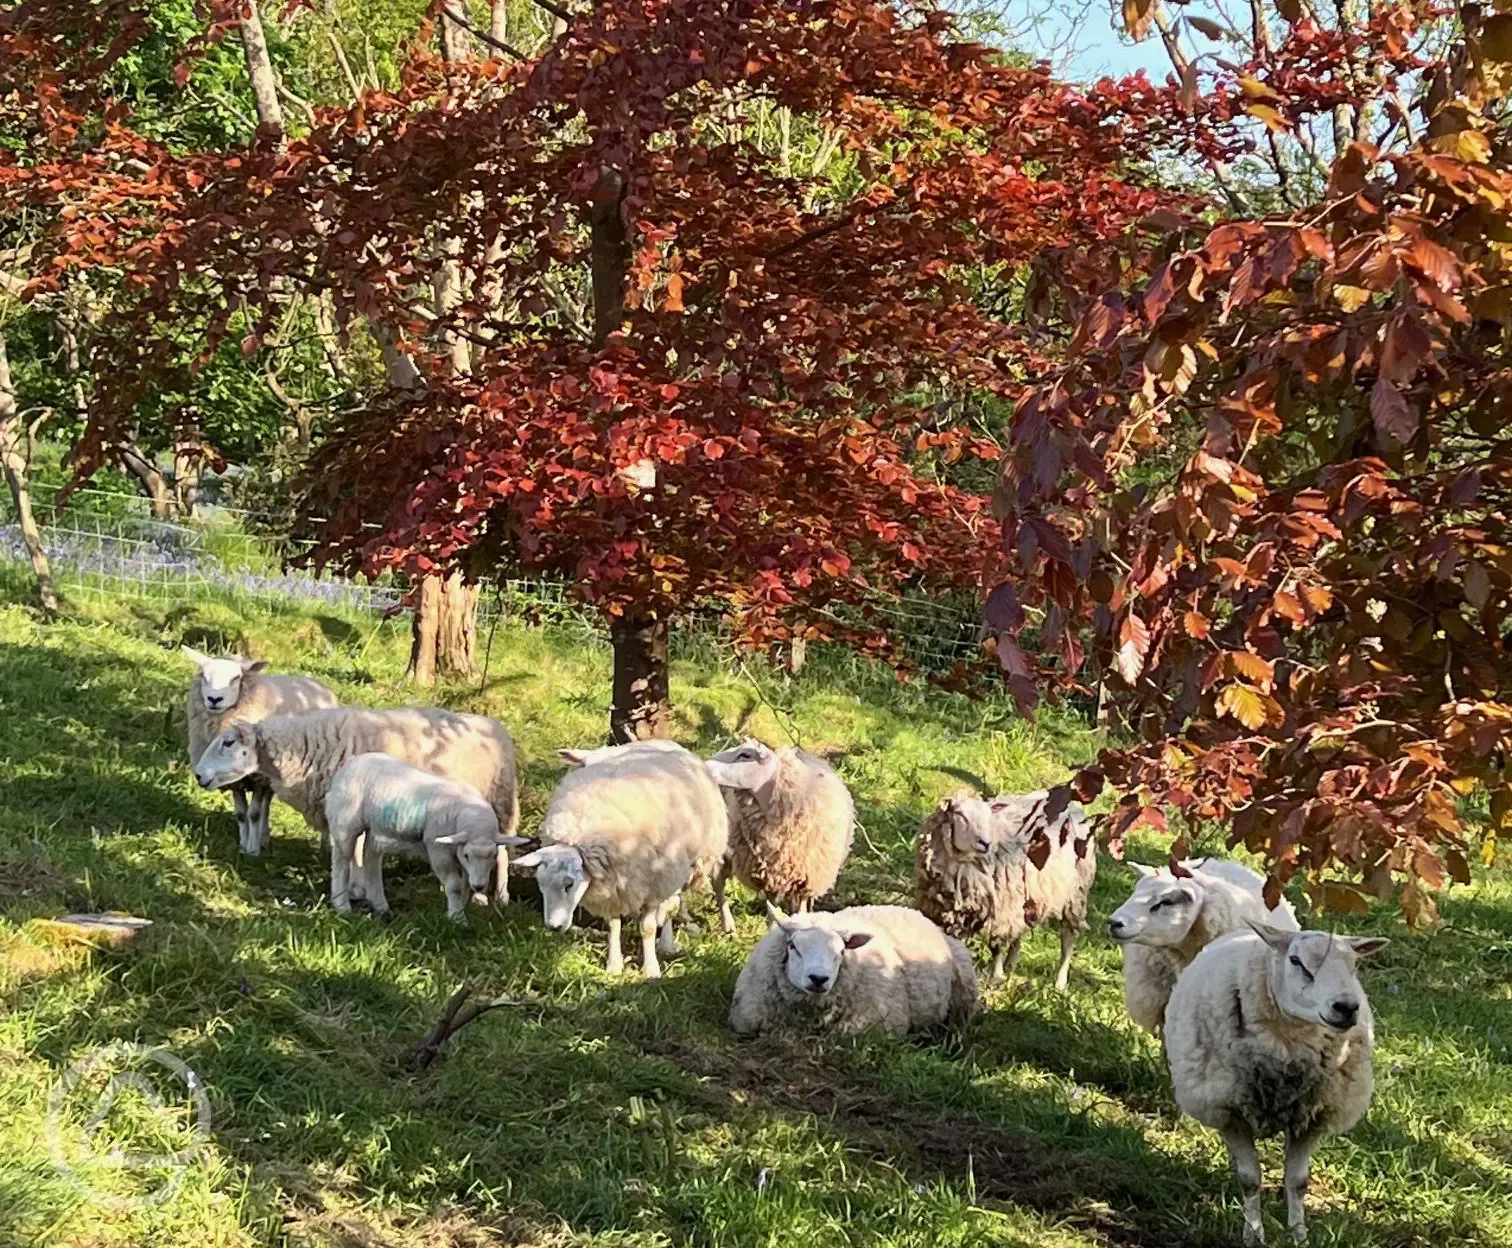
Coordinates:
[791,824]
[974,874]
[229,689]
[299,755]
[585,757]
[626,835]
[1168,920]
[378,805]
[1269,1032]
[855,969]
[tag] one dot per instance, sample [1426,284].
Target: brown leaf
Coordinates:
[1253,668]
[1395,421]
[1134,645]
[1207,26]
[1138,16]
[1250,707]
[1196,624]
[1477,585]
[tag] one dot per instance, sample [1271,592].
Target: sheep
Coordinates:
[1267,1032]
[974,875]
[627,834]
[887,967]
[792,822]
[229,689]
[299,755]
[605,753]
[377,804]
[1168,920]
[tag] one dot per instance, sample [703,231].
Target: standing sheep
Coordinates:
[1168,920]
[378,805]
[625,835]
[792,821]
[974,874]
[224,690]
[299,755]
[1269,1032]
[855,969]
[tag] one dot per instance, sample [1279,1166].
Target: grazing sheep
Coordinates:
[791,824]
[299,755]
[1168,920]
[855,969]
[625,835]
[378,805]
[604,753]
[1269,1032]
[224,690]
[974,875]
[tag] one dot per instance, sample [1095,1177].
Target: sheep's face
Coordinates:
[750,766]
[968,826]
[814,955]
[220,679]
[1312,974]
[563,882]
[232,756]
[1160,911]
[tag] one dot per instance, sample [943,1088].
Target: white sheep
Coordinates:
[605,753]
[1268,1032]
[229,689]
[377,805]
[974,873]
[848,971]
[299,755]
[626,835]
[792,822]
[1169,919]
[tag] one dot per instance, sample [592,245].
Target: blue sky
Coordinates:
[1043,27]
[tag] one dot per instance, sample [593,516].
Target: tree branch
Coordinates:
[483,36]
[453,1018]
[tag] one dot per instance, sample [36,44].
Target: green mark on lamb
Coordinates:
[404,816]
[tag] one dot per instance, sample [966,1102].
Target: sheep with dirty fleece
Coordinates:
[299,755]
[234,688]
[377,805]
[974,873]
[885,967]
[792,821]
[625,835]
[1169,919]
[1269,1032]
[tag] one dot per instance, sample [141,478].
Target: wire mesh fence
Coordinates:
[103,544]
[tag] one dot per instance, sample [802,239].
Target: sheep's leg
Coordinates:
[1068,947]
[372,881]
[1299,1151]
[649,960]
[244,831]
[726,915]
[1246,1162]
[616,962]
[341,874]
[261,807]
[805,904]
[1005,958]
[666,936]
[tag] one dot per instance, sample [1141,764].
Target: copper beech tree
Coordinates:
[1271,483]
[674,367]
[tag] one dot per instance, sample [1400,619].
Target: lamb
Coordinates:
[886,967]
[1269,1032]
[792,821]
[377,804]
[1168,920]
[229,689]
[299,755]
[627,834]
[974,876]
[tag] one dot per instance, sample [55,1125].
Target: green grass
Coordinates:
[608,1112]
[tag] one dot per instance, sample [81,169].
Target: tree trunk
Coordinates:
[498,20]
[260,70]
[153,481]
[641,708]
[14,460]
[457,639]
[186,481]
[423,632]
[610,252]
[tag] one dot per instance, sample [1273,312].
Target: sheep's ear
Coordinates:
[573,758]
[451,838]
[249,666]
[1142,871]
[1277,938]
[245,731]
[501,838]
[1364,946]
[856,939]
[529,862]
[776,916]
[199,659]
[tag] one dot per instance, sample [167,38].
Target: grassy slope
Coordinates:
[610,1112]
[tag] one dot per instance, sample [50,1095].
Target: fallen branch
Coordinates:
[453,1018]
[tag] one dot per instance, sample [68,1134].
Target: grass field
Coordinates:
[603,1112]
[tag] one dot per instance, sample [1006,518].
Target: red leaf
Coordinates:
[1134,646]
[1003,610]
[1395,421]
